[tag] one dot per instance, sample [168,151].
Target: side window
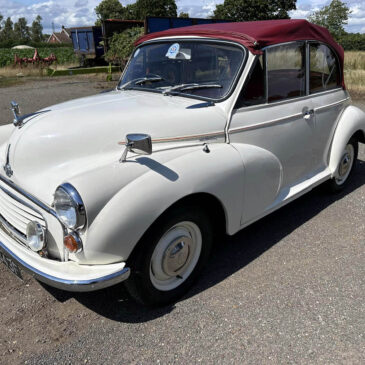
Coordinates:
[253,92]
[286,71]
[324,71]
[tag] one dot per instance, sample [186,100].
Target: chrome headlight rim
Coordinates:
[77,204]
[35,229]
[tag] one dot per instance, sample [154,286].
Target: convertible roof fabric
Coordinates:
[257,35]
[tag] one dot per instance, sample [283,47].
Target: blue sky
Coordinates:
[73,13]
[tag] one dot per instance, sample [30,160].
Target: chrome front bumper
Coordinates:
[68,276]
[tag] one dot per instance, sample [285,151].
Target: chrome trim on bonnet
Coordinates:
[199,137]
[66,284]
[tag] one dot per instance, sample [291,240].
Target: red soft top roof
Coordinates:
[256,35]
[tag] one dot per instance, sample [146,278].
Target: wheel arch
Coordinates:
[211,205]
[359,136]
[351,124]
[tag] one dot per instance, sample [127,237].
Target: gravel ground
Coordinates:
[288,289]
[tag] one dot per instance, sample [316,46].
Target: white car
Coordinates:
[211,128]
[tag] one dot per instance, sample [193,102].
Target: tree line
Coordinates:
[20,32]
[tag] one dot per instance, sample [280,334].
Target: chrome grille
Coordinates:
[17,213]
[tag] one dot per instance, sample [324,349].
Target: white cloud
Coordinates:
[72,13]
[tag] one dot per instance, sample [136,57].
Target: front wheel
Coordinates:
[170,256]
[345,167]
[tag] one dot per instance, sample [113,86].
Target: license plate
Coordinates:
[11,265]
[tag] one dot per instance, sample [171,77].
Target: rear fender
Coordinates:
[351,122]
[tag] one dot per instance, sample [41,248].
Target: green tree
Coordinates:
[333,17]
[353,42]
[122,44]
[21,30]
[1,21]
[129,12]
[7,32]
[109,9]
[145,8]
[37,29]
[183,15]
[244,10]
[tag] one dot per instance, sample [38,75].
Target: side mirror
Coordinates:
[137,143]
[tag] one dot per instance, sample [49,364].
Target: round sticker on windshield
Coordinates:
[173,50]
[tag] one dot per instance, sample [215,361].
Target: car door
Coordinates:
[328,97]
[274,115]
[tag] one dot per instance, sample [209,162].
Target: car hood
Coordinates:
[69,138]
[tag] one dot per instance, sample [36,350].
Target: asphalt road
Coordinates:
[288,289]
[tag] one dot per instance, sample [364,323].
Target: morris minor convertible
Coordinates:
[210,128]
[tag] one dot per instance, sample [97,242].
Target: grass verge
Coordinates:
[10,81]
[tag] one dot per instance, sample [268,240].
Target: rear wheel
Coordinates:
[170,256]
[345,167]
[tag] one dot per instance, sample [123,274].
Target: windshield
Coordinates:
[196,68]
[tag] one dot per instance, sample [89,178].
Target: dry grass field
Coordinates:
[355,73]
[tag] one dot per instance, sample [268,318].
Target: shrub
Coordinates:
[121,45]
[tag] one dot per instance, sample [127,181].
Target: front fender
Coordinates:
[120,224]
[352,120]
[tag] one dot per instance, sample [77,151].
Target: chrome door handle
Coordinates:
[308,114]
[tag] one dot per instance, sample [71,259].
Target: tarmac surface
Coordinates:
[288,289]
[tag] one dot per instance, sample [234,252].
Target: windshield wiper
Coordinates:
[141,81]
[183,87]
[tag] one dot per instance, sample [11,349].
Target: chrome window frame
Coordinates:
[267,73]
[195,39]
[337,62]
[307,94]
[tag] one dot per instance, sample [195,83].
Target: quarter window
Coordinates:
[324,71]
[286,71]
[253,92]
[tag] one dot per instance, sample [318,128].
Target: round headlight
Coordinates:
[35,236]
[69,206]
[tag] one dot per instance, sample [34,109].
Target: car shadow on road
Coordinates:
[229,255]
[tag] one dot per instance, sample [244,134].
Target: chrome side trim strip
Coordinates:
[332,104]
[264,124]
[278,120]
[289,100]
[66,284]
[32,198]
[200,137]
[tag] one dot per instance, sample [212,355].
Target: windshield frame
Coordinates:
[186,94]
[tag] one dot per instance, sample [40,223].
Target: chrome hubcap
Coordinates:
[344,165]
[344,168]
[175,256]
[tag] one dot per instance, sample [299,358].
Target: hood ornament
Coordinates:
[7,167]
[18,120]
[16,111]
